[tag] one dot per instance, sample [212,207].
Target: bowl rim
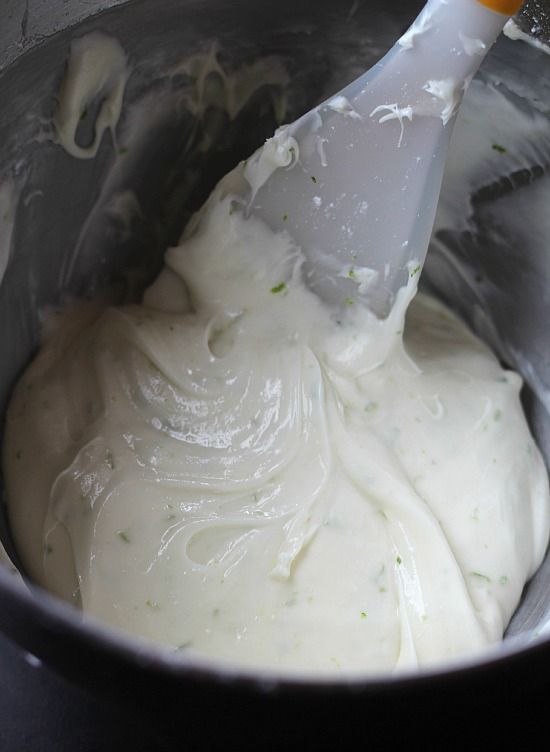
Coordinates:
[54,616]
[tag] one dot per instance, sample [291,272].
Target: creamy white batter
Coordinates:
[232,469]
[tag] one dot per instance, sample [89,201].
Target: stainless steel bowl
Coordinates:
[494,272]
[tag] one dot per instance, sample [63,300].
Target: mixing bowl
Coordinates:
[60,236]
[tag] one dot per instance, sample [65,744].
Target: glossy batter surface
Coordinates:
[233,469]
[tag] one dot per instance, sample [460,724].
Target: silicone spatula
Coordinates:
[356,180]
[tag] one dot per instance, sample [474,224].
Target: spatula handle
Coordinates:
[506,7]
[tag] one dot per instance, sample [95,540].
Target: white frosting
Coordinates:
[233,88]
[422,24]
[394,112]
[512,31]
[362,276]
[230,469]
[97,69]
[342,105]
[471,45]
[450,92]
[281,150]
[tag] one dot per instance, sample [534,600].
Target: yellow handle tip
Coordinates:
[506,7]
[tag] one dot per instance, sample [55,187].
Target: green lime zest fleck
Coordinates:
[292,599]
[363,614]
[480,576]
[415,270]
[123,150]
[503,580]
[352,274]
[313,179]
[123,535]
[278,288]
[349,301]
[398,559]
[285,217]
[499,148]
[153,605]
